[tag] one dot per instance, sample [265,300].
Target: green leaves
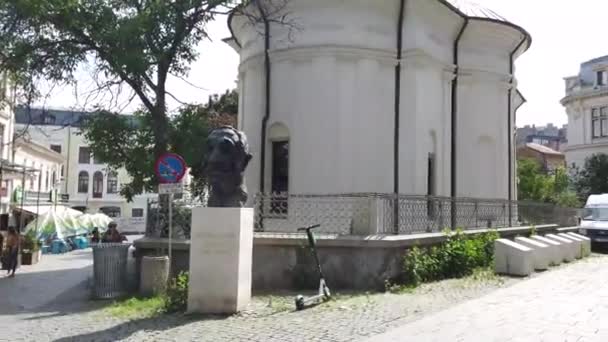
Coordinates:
[593,177]
[457,257]
[536,185]
[128,141]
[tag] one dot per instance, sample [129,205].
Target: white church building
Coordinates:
[413,97]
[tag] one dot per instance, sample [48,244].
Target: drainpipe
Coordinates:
[453,119]
[510,132]
[266,112]
[397,116]
[267,98]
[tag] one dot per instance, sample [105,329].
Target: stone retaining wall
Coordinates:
[284,262]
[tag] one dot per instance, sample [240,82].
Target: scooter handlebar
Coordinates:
[309,227]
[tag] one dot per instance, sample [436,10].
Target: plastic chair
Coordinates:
[59,247]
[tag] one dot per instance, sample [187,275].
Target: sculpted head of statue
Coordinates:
[227,158]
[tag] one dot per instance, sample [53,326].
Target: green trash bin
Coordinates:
[110,270]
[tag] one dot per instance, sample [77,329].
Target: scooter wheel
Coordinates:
[300,302]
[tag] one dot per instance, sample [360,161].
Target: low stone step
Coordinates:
[557,251]
[512,258]
[540,251]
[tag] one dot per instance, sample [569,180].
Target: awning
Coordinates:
[43,209]
[12,171]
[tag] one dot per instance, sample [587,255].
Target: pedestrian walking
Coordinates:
[12,244]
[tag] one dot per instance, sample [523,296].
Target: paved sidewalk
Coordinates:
[50,281]
[45,303]
[569,304]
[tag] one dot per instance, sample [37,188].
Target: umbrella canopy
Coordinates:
[101,220]
[51,223]
[86,221]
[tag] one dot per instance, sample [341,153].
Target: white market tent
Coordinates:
[64,222]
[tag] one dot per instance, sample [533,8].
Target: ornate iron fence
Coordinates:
[369,214]
[157,219]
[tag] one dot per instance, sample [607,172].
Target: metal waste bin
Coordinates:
[110,270]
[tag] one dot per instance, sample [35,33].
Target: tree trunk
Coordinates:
[160,127]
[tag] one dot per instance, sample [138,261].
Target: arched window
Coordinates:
[83,182]
[279,168]
[112,182]
[98,184]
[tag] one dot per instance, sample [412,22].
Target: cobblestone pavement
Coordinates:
[569,304]
[39,285]
[348,319]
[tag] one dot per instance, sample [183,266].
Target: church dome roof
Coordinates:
[473,9]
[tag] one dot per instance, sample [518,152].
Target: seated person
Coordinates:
[113,235]
[95,236]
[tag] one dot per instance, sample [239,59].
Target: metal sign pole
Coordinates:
[170,230]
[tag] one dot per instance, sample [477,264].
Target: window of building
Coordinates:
[83,182]
[46,181]
[430,184]
[84,155]
[599,122]
[280,176]
[98,184]
[80,208]
[1,139]
[96,160]
[56,148]
[54,178]
[110,211]
[49,119]
[112,182]
[5,187]
[61,173]
[137,212]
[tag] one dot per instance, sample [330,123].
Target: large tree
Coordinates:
[536,185]
[133,43]
[127,141]
[593,177]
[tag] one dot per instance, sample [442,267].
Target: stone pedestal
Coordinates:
[154,275]
[221,247]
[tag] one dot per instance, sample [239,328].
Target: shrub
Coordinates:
[176,297]
[457,257]
[30,243]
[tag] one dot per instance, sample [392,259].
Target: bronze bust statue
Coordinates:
[227,157]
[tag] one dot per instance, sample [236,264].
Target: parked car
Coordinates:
[594,221]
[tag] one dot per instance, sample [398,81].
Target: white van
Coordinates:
[594,221]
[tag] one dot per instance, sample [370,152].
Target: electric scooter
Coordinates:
[324,293]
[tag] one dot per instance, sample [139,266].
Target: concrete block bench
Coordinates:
[540,251]
[580,253]
[512,258]
[586,243]
[556,249]
[568,246]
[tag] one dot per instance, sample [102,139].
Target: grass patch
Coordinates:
[137,308]
[457,257]
[277,303]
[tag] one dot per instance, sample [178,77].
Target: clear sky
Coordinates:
[564,33]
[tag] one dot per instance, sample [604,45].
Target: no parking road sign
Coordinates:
[170,168]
